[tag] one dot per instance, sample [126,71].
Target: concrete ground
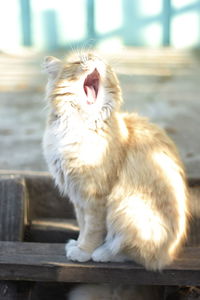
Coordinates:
[163,85]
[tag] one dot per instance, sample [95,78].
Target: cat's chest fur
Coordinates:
[72,149]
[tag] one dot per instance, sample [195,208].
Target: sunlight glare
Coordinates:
[182,3]
[149,223]
[152,35]
[150,8]
[10,32]
[108,45]
[185,30]
[105,22]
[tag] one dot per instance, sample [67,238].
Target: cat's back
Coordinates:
[146,137]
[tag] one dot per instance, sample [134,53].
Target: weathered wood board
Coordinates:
[13,208]
[47,262]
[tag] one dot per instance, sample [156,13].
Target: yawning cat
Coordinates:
[122,173]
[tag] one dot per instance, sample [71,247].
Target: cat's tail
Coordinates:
[146,234]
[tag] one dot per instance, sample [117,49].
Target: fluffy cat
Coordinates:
[122,173]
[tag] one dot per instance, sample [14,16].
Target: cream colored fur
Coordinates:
[122,173]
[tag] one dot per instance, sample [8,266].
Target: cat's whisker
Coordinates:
[74,48]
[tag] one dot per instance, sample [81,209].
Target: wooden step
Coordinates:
[47,262]
[51,230]
[13,208]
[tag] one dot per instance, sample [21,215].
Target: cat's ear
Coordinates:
[51,65]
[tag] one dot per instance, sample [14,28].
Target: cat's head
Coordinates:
[85,82]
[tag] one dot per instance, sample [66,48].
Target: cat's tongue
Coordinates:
[91,94]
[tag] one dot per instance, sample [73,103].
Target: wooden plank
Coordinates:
[13,210]
[193,236]
[45,199]
[51,230]
[193,181]
[50,291]
[14,290]
[47,262]
[13,218]
[8,290]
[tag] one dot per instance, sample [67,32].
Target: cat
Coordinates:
[114,292]
[122,173]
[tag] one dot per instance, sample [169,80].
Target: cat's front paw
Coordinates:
[71,243]
[76,254]
[103,254]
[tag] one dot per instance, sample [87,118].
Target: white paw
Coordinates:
[101,254]
[70,243]
[76,254]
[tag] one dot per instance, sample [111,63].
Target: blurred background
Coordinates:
[154,47]
[58,24]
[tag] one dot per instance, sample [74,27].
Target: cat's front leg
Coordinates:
[81,223]
[91,237]
[71,246]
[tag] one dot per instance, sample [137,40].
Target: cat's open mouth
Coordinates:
[91,86]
